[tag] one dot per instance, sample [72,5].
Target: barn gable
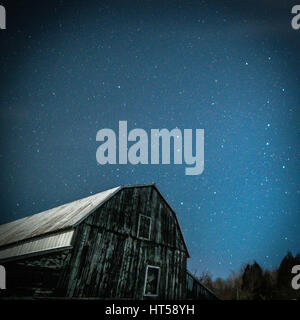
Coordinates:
[130,206]
[113,253]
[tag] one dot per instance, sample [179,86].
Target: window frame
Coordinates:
[145,282]
[139,224]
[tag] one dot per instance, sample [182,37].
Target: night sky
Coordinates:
[232,68]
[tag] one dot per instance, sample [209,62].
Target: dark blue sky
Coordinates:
[71,68]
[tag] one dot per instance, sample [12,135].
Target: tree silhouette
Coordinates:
[253,283]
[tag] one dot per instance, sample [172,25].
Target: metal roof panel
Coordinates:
[37,245]
[62,217]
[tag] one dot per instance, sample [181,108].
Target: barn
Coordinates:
[123,243]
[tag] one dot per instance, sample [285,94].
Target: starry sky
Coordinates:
[232,68]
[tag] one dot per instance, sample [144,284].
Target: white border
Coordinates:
[158,280]
[138,231]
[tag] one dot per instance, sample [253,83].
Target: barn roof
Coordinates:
[51,229]
[62,217]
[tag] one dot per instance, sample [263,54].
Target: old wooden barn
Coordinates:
[123,243]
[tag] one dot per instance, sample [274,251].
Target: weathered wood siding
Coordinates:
[109,260]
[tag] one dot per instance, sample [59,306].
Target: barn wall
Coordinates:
[109,260]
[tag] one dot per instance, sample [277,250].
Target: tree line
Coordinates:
[252,282]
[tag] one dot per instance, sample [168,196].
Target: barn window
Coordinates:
[144,227]
[151,281]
